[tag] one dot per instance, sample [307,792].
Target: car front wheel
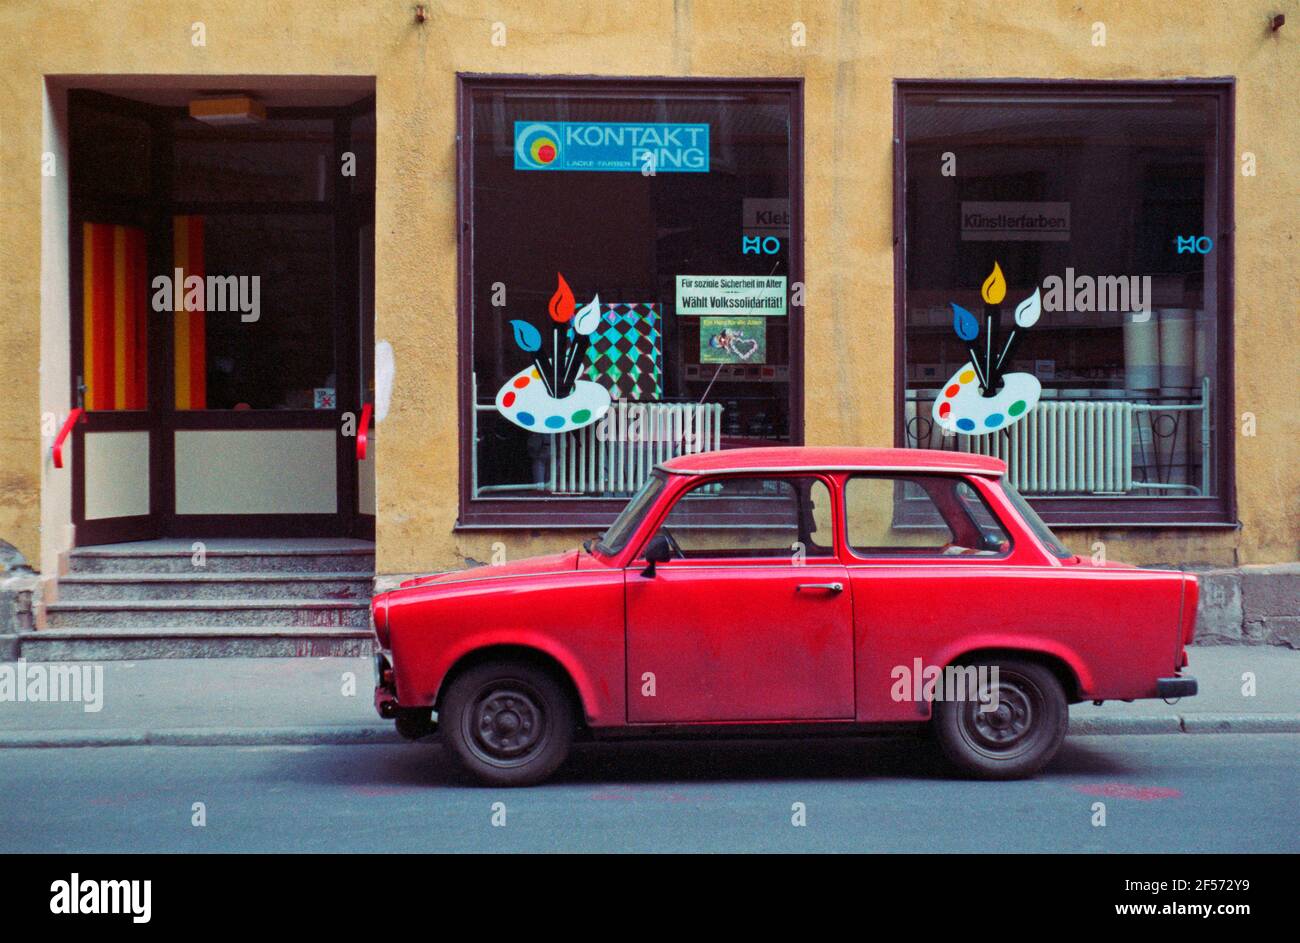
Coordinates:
[509,724]
[1018,736]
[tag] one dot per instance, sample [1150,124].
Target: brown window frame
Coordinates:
[1209,512]
[592,513]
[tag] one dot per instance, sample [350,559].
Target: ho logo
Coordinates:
[537,145]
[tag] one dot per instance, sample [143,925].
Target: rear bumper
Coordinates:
[1176,687]
[385,688]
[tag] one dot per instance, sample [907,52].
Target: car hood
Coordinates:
[549,563]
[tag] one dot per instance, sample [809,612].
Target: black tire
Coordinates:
[1019,738]
[508,723]
[414,724]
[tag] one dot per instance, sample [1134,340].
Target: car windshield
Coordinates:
[614,539]
[1041,530]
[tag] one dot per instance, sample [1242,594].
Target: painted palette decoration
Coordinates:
[962,407]
[980,397]
[547,396]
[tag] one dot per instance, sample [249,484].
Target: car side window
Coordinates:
[753,517]
[919,515]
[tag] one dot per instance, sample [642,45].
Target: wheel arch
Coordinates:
[1057,664]
[517,653]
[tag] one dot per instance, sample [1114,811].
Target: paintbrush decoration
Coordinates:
[548,396]
[980,398]
[1027,315]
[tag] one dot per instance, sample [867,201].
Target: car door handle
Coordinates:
[829,587]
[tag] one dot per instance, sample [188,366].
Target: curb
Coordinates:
[384,734]
[1186,723]
[203,737]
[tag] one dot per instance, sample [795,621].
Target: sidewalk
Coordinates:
[254,701]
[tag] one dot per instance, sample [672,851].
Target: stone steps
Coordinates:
[224,641]
[162,586]
[122,560]
[223,598]
[280,613]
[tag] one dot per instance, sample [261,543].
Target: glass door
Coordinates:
[115,247]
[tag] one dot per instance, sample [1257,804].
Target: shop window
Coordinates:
[1065,306]
[629,286]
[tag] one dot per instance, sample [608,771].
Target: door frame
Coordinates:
[162,420]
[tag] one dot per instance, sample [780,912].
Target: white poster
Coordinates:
[761,295]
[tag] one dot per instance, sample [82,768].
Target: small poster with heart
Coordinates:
[733,340]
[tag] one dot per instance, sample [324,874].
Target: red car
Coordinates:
[789,590]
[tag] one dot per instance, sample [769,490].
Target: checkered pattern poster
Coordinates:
[626,352]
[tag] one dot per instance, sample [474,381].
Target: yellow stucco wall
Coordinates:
[853,52]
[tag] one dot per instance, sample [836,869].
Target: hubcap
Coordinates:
[506,723]
[1011,727]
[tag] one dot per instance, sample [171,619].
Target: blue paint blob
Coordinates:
[964,323]
[993,421]
[554,422]
[965,425]
[525,418]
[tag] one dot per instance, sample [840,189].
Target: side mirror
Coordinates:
[991,542]
[657,551]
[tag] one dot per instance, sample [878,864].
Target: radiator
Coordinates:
[1064,447]
[617,454]
[1091,446]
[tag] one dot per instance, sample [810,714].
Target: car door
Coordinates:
[930,565]
[753,620]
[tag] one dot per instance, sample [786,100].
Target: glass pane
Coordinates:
[751,517]
[1106,206]
[274,160]
[265,339]
[363,150]
[920,515]
[110,155]
[115,317]
[617,196]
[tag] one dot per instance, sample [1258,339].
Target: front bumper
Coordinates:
[1184,686]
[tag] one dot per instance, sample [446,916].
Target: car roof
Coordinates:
[833,458]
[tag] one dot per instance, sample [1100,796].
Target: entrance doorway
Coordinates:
[222,330]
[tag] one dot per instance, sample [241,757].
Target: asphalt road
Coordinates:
[1174,793]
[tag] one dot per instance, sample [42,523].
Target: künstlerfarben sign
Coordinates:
[731,294]
[1015,222]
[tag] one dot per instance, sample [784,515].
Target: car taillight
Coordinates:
[379,615]
[1191,595]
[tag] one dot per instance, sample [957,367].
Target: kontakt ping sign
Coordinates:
[612,146]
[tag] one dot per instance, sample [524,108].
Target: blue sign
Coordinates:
[612,145]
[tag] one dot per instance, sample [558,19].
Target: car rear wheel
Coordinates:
[508,723]
[1017,738]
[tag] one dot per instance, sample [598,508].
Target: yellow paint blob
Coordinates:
[995,286]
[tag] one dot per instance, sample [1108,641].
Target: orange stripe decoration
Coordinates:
[102,250]
[137,273]
[190,347]
[114,342]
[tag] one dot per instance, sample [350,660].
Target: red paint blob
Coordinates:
[508,400]
[1125,791]
[952,390]
[520,384]
[944,410]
